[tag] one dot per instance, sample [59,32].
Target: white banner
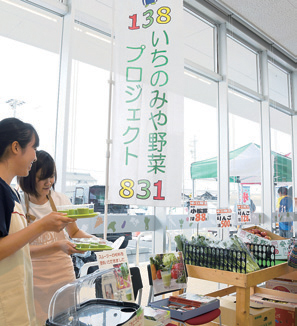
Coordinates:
[146,164]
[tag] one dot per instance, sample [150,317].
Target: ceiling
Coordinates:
[276,19]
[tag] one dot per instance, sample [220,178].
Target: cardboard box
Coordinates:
[290,276]
[282,285]
[148,322]
[285,312]
[259,315]
[281,244]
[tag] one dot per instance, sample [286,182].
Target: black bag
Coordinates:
[79,260]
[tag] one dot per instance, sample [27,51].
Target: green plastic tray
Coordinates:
[83,215]
[92,247]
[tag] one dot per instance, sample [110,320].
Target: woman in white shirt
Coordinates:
[52,264]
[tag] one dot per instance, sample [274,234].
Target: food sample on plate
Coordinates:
[91,244]
[76,211]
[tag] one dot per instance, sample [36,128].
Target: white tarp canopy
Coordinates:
[245,166]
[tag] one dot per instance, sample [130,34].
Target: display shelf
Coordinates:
[242,284]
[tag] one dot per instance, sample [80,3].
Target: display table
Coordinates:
[243,284]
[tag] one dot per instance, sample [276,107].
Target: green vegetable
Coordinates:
[157,262]
[210,253]
[180,241]
[169,260]
[124,271]
[251,264]
[182,278]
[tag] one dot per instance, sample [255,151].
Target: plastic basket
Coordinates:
[263,254]
[228,259]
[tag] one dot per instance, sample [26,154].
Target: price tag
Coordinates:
[243,214]
[224,217]
[198,211]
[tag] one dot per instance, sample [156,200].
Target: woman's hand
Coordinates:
[55,221]
[101,241]
[67,246]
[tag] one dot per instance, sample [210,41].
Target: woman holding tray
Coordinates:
[52,264]
[17,154]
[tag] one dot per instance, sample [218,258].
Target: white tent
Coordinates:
[245,166]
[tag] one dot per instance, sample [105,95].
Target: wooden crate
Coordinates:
[243,284]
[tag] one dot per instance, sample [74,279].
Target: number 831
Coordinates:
[127,189]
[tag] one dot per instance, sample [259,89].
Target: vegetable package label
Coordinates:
[168,272]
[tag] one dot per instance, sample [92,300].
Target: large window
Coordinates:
[30,65]
[278,84]
[245,151]
[200,138]
[200,146]
[199,41]
[200,142]
[281,152]
[242,64]
[86,160]
[30,41]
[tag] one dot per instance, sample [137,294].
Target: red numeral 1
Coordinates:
[134,18]
[159,190]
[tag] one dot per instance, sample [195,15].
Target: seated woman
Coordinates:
[52,264]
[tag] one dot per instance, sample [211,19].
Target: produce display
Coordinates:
[256,235]
[231,254]
[259,233]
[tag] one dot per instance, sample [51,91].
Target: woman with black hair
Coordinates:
[52,264]
[18,142]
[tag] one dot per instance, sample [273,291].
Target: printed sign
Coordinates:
[121,281]
[243,214]
[245,195]
[147,139]
[224,217]
[168,272]
[198,211]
